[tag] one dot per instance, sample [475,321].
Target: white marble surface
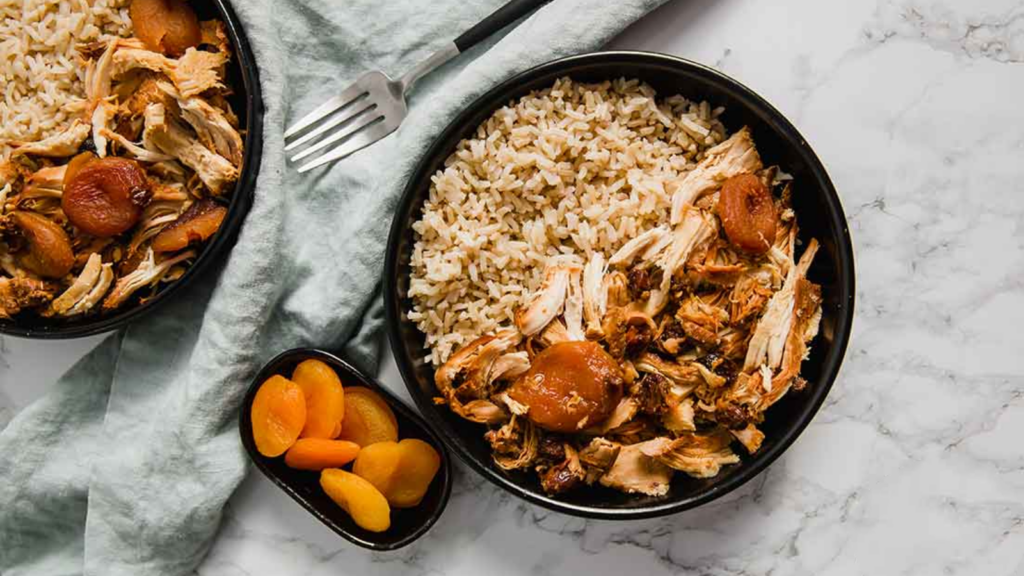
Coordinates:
[915,465]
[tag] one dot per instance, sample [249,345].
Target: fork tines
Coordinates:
[353,120]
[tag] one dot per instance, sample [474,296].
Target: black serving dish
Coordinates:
[816,203]
[407,524]
[247,102]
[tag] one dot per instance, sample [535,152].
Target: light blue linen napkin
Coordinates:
[124,468]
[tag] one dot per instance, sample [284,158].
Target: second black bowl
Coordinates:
[821,216]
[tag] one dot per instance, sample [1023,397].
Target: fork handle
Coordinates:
[498,19]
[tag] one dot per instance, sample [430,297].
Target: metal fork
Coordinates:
[374,106]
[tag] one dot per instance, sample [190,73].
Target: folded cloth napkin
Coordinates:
[125,466]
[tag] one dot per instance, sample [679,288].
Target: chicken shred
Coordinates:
[736,155]
[635,472]
[149,272]
[169,137]
[700,456]
[59,145]
[547,303]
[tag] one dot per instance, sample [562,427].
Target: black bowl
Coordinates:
[247,102]
[407,524]
[821,216]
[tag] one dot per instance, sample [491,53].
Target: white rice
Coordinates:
[561,173]
[40,71]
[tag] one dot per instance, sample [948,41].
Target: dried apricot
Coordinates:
[364,503]
[199,222]
[748,213]
[402,471]
[105,196]
[325,398]
[320,453]
[379,464]
[368,419]
[420,463]
[49,249]
[168,26]
[278,415]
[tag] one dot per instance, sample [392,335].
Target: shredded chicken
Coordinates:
[198,71]
[171,138]
[98,72]
[194,73]
[700,456]
[598,457]
[624,411]
[554,333]
[509,366]
[213,129]
[514,445]
[630,250]
[546,303]
[736,155]
[685,375]
[750,437]
[136,151]
[467,374]
[635,472]
[695,229]
[65,143]
[595,295]
[80,287]
[574,307]
[480,411]
[45,183]
[101,118]
[766,345]
[149,272]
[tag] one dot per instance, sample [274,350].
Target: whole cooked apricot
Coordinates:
[278,415]
[747,211]
[168,26]
[49,249]
[368,419]
[402,471]
[569,386]
[199,222]
[364,503]
[320,453]
[106,196]
[325,398]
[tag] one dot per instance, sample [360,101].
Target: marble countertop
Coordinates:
[915,464]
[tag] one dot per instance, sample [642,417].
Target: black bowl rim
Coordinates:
[241,201]
[269,369]
[846,285]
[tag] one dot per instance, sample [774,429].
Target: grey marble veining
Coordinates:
[915,464]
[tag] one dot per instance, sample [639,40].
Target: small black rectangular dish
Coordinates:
[303,486]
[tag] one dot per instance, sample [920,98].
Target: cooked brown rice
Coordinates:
[560,173]
[40,71]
